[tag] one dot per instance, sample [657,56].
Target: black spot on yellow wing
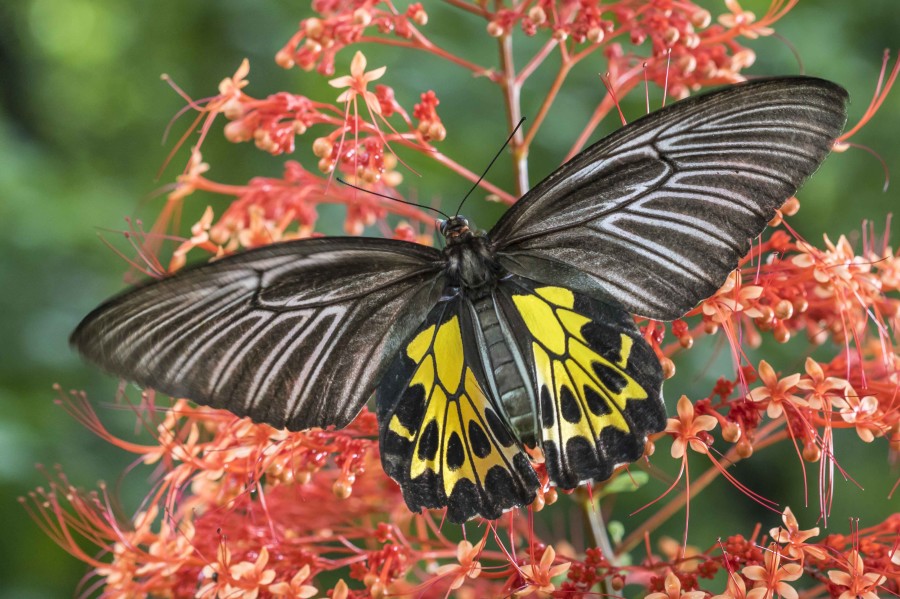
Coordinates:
[441,438]
[598,382]
[481,445]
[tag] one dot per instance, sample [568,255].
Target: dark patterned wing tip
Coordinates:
[660,212]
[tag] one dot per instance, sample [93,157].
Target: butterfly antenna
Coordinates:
[484,174]
[387,197]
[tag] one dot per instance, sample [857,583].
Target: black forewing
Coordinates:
[294,334]
[658,213]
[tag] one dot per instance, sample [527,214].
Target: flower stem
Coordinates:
[596,529]
[511,93]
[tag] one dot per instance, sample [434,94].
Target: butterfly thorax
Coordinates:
[473,271]
[470,261]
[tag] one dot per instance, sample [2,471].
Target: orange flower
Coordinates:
[822,388]
[296,588]
[794,538]
[686,428]
[230,91]
[859,584]
[728,300]
[776,391]
[357,81]
[862,412]
[773,576]
[539,576]
[248,577]
[742,20]
[673,590]
[469,566]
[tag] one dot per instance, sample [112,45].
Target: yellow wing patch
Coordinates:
[458,437]
[587,392]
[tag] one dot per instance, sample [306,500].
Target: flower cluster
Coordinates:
[831,293]
[687,51]
[241,509]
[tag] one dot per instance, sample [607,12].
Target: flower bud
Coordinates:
[322,148]
[731,431]
[668,367]
[420,17]
[343,486]
[784,310]
[781,333]
[800,305]
[326,165]
[691,40]
[361,17]
[232,109]
[392,178]
[790,207]
[237,132]
[284,59]
[701,19]
[264,141]
[313,27]
[812,453]
[437,132]
[671,35]
[495,29]
[551,496]
[687,64]
[537,15]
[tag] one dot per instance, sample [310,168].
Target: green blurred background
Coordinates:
[82,113]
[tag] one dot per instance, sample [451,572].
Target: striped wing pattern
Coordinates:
[295,334]
[657,214]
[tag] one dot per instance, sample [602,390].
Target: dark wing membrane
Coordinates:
[442,437]
[658,213]
[598,382]
[294,334]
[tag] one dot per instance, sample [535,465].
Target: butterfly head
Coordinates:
[455,229]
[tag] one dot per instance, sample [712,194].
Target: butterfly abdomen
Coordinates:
[506,370]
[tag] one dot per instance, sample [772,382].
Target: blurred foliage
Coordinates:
[82,113]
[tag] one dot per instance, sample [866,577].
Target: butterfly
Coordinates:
[501,342]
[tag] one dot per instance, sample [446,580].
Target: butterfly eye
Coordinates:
[441,225]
